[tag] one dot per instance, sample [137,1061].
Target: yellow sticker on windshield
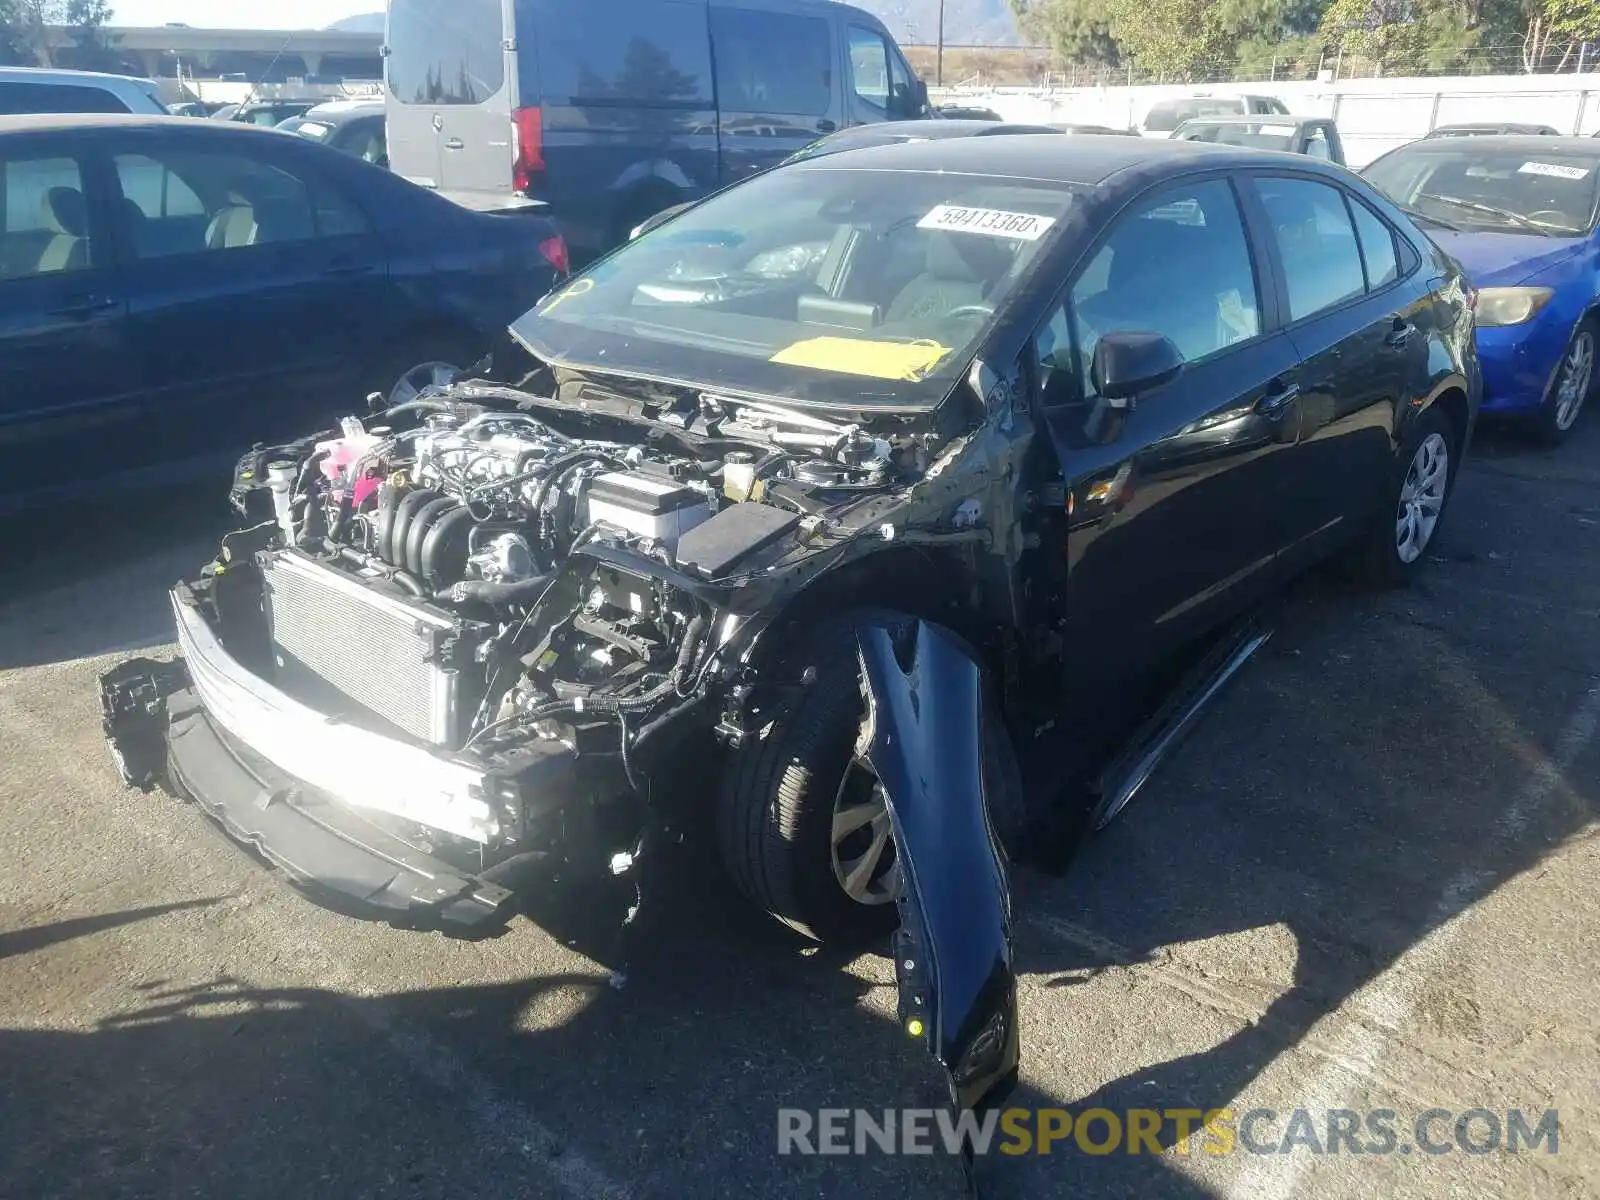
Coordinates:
[910,361]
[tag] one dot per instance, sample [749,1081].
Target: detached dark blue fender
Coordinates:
[953,952]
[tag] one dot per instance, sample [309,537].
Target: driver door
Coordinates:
[1174,504]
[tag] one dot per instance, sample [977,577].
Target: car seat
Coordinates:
[958,269]
[66,217]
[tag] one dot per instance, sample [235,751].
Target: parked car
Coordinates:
[1080,127]
[1166,115]
[966,112]
[171,290]
[818,492]
[1519,213]
[353,126]
[1317,137]
[38,90]
[610,110]
[263,112]
[193,108]
[1486,128]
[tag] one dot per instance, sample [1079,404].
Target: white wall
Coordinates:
[1374,115]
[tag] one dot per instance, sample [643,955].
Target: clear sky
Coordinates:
[240,14]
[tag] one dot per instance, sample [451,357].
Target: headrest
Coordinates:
[966,257]
[65,211]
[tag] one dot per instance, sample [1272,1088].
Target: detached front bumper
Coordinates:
[310,794]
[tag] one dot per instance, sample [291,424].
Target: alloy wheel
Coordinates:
[862,844]
[1577,375]
[422,377]
[1422,498]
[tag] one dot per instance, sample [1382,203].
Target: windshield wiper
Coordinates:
[1416,214]
[1506,214]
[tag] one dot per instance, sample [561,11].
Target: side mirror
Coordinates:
[1130,362]
[655,222]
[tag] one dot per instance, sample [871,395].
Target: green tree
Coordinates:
[14,49]
[1171,39]
[86,21]
[1079,31]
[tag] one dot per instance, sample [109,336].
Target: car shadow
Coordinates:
[91,581]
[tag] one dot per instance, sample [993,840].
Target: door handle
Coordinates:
[826,126]
[455,143]
[1278,399]
[1399,334]
[85,308]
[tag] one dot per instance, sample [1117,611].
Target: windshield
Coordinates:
[825,286]
[1259,137]
[1524,190]
[1168,115]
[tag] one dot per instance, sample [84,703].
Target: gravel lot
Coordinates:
[1370,880]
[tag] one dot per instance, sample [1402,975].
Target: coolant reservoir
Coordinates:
[344,452]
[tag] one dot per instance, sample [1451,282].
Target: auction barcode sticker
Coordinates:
[993,222]
[1553,170]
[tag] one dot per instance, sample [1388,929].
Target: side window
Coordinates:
[184,202]
[1377,246]
[18,98]
[1321,259]
[770,62]
[446,53]
[659,57]
[46,229]
[869,67]
[1177,265]
[336,215]
[1317,144]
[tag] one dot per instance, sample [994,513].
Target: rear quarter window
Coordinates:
[772,62]
[659,58]
[441,53]
[21,98]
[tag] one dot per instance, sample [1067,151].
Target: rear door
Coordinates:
[1173,507]
[1353,322]
[67,377]
[775,89]
[254,288]
[450,72]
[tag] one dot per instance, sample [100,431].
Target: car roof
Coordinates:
[1531,143]
[56,75]
[1085,161]
[68,122]
[1255,119]
[343,110]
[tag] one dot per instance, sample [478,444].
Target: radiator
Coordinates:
[370,647]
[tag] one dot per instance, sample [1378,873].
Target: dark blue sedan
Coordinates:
[1520,214]
[172,291]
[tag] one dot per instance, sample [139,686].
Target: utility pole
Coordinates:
[938,62]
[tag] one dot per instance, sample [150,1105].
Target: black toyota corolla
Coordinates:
[827,485]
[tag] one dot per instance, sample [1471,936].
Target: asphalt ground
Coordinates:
[1368,881]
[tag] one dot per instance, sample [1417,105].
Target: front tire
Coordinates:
[802,821]
[1420,485]
[1571,388]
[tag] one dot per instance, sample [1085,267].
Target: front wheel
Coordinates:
[803,821]
[1420,486]
[1569,390]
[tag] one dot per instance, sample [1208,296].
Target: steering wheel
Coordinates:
[969,310]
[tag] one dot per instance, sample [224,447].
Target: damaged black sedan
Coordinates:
[810,501]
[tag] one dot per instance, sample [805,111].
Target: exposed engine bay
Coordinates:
[478,576]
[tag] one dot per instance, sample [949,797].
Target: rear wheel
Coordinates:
[1573,383]
[1420,486]
[803,820]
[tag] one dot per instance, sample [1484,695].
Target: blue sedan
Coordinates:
[1519,213]
[172,291]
